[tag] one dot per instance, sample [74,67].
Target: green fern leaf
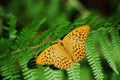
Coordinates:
[115,42]
[8,68]
[106,49]
[27,34]
[23,58]
[12,22]
[53,74]
[116,45]
[74,72]
[93,59]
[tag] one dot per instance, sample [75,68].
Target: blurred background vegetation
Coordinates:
[55,12]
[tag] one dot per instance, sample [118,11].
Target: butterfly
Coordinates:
[65,52]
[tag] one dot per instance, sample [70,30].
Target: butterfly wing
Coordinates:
[46,57]
[75,42]
[53,55]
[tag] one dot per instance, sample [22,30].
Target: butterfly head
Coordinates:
[60,42]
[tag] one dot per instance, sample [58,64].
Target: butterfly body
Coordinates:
[67,51]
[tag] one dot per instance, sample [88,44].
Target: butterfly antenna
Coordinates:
[32,63]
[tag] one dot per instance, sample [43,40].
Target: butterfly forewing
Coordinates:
[78,52]
[53,55]
[63,62]
[75,42]
[47,56]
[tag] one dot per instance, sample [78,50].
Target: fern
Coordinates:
[59,75]
[93,59]
[18,49]
[63,27]
[106,49]
[8,64]
[27,34]
[20,60]
[53,74]
[23,60]
[55,32]
[115,41]
[74,72]
[39,73]
[25,38]
[49,73]
[12,23]
[116,46]
[8,68]
[90,19]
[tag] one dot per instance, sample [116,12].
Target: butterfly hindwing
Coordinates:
[54,55]
[75,42]
[46,57]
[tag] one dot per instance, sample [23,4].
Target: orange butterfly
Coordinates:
[67,51]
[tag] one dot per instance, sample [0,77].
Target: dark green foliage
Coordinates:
[102,47]
[9,68]
[27,34]
[11,29]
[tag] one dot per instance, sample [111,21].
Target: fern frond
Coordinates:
[12,24]
[8,68]
[74,72]
[85,21]
[27,34]
[23,58]
[116,45]
[59,75]
[106,49]
[39,73]
[4,46]
[49,73]
[116,42]
[93,59]
[65,28]
[53,74]
[43,38]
